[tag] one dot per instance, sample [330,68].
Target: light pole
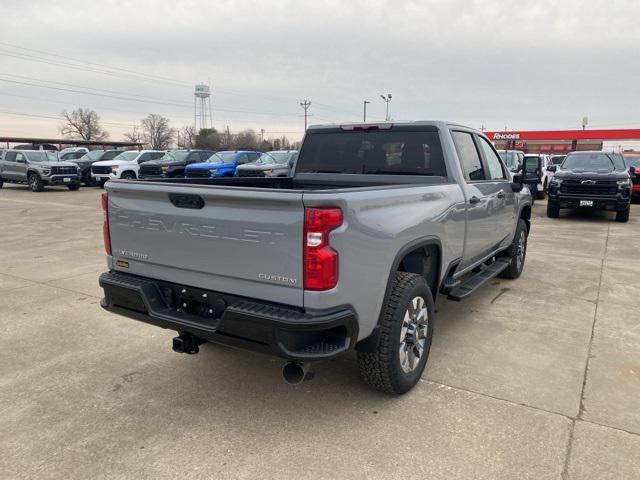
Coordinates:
[365,110]
[387,99]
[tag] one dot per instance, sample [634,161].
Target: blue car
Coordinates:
[221,164]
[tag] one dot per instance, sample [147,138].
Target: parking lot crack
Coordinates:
[593,328]
[567,457]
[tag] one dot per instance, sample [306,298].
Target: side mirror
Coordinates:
[516,184]
[552,168]
[530,171]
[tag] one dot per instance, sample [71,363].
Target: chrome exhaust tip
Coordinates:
[294,373]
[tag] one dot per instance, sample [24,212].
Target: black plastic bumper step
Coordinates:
[470,285]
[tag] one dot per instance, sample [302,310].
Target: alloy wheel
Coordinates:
[413,334]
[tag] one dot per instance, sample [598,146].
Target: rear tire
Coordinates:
[1,182]
[517,252]
[35,183]
[406,330]
[553,211]
[73,188]
[623,215]
[128,176]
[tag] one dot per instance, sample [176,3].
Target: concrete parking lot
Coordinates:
[537,378]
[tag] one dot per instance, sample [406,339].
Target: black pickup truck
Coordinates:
[173,163]
[592,180]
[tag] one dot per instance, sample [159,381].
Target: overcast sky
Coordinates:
[537,64]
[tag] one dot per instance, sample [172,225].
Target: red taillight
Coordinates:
[106,235]
[320,260]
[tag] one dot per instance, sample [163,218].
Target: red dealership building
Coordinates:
[559,141]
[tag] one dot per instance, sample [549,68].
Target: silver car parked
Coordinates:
[38,168]
[277,163]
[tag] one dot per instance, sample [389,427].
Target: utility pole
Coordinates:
[261,137]
[387,100]
[365,110]
[305,104]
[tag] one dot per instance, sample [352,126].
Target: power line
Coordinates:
[87,67]
[51,117]
[92,106]
[102,90]
[133,74]
[132,99]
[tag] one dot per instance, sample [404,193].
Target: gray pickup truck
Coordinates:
[38,168]
[348,253]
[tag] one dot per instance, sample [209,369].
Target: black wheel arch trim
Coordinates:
[369,343]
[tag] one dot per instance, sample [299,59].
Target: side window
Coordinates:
[243,158]
[20,157]
[156,155]
[144,157]
[10,156]
[253,157]
[468,155]
[205,155]
[493,162]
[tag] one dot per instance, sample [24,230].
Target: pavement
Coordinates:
[537,378]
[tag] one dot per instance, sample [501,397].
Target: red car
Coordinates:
[633,162]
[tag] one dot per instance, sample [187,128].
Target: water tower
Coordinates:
[202,116]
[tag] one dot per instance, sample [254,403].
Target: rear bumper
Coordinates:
[283,331]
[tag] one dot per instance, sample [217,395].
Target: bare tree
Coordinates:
[187,137]
[246,140]
[156,132]
[134,136]
[208,139]
[82,123]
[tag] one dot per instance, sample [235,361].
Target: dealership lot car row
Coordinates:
[76,166]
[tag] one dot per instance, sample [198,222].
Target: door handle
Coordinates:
[473,200]
[501,194]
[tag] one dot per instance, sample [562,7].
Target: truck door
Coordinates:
[9,166]
[490,201]
[504,208]
[19,167]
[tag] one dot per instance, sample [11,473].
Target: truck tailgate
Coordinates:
[243,241]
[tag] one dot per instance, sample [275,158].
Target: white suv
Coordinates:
[124,165]
[543,163]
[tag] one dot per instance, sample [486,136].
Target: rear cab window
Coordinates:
[469,156]
[373,152]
